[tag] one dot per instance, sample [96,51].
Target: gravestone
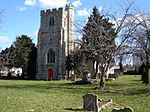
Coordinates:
[9,74]
[117,72]
[121,74]
[90,102]
[128,110]
[122,110]
[110,79]
[113,76]
[60,77]
[86,77]
[73,78]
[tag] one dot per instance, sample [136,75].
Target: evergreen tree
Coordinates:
[23,46]
[80,60]
[7,58]
[76,61]
[98,41]
[31,66]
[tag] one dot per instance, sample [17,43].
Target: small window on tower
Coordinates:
[52,21]
[50,39]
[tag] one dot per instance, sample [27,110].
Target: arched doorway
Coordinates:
[50,74]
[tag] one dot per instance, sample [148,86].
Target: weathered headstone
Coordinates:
[115,110]
[123,110]
[73,78]
[86,77]
[121,74]
[109,79]
[128,110]
[9,74]
[117,72]
[59,77]
[117,75]
[113,76]
[90,102]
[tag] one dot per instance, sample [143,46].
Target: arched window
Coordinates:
[51,57]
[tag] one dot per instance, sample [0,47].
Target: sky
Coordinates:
[22,17]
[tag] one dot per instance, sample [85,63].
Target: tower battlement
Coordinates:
[48,11]
[57,10]
[69,6]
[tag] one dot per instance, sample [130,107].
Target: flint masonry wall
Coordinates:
[56,34]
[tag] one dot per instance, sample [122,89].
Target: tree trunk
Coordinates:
[9,73]
[68,74]
[103,76]
[102,80]
[24,74]
[96,71]
[147,67]
[120,64]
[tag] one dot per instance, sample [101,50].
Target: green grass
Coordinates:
[62,96]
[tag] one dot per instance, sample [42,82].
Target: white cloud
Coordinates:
[22,8]
[100,8]
[52,3]
[78,37]
[36,33]
[84,12]
[30,2]
[131,20]
[141,19]
[77,3]
[5,39]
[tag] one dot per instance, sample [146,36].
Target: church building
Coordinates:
[55,42]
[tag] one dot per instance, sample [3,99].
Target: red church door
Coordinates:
[50,73]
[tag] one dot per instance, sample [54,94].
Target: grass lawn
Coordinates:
[62,96]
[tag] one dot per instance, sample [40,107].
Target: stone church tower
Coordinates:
[55,41]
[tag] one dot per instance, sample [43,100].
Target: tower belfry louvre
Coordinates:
[55,42]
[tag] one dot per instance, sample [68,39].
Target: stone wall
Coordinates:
[56,34]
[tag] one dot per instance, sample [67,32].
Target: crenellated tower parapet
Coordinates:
[48,11]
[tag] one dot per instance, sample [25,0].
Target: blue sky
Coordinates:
[23,16]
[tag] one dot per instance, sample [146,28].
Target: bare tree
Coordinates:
[141,39]
[124,30]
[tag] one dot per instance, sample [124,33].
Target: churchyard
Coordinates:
[63,96]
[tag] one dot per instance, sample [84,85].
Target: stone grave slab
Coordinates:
[123,110]
[92,103]
[73,78]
